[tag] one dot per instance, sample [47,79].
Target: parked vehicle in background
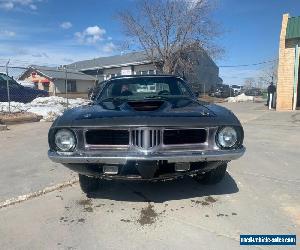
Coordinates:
[221,91]
[253,92]
[17,92]
[237,89]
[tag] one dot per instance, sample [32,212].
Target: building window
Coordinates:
[71,86]
[113,75]
[146,72]
[142,72]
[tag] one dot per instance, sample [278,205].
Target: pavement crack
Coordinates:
[25,197]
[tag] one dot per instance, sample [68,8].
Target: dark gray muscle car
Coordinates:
[146,128]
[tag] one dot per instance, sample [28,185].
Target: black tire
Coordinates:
[88,184]
[214,176]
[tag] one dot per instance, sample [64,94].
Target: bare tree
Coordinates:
[268,74]
[249,83]
[169,31]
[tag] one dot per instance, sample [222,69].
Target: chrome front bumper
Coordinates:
[113,157]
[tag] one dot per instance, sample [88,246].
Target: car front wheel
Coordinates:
[214,176]
[88,184]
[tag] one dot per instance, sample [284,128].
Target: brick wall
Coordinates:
[286,66]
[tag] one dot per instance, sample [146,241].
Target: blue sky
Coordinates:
[252,29]
[55,32]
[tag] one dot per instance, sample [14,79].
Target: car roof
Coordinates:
[142,76]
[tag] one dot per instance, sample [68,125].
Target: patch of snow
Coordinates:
[48,107]
[15,107]
[240,98]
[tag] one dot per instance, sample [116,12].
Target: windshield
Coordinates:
[12,82]
[145,87]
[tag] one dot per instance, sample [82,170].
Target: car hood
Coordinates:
[150,112]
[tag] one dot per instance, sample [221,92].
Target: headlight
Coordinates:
[65,140]
[227,137]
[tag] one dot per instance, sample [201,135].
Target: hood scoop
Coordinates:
[145,105]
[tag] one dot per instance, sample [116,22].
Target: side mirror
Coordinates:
[197,94]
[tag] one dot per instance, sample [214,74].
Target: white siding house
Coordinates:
[58,81]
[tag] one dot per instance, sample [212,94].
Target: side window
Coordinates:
[14,85]
[2,84]
[183,89]
[72,86]
[107,91]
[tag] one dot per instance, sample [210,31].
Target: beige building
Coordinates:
[58,81]
[288,90]
[204,76]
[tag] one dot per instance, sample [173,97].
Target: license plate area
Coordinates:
[182,166]
[111,169]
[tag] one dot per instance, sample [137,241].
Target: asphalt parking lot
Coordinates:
[260,195]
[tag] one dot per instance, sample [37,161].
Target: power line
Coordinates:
[247,65]
[31,65]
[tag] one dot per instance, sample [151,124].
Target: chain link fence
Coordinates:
[45,91]
[48,91]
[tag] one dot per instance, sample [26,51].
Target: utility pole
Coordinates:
[97,76]
[66,86]
[7,85]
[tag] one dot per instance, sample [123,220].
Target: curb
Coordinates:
[21,120]
[29,196]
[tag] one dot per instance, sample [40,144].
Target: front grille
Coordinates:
[146,138]
[107,137]
[184,136]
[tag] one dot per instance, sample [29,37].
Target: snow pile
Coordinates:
[15,107]
[48,107]
[240,98]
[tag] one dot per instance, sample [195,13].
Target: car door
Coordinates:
[3,90]
[16,92]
